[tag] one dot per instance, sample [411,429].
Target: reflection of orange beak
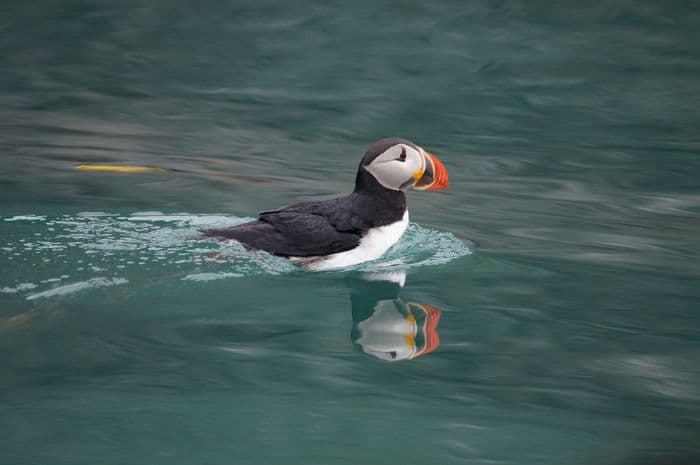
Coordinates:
[432,318]
[434,176]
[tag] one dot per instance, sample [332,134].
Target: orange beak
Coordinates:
[434,176]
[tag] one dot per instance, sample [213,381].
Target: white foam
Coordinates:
[211,276]
[18,288]
[26,218]
[194,220]
[95,214]
[79,286]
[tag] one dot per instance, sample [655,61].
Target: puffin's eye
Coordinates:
[402,157]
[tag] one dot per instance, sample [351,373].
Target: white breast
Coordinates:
[373,245]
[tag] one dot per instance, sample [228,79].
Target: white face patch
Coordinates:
[395,167]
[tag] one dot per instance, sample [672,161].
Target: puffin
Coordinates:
[352,229]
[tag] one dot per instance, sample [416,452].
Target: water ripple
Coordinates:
[79,286]
[95,249]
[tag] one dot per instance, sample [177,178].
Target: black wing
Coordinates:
[350,213]
[289,233]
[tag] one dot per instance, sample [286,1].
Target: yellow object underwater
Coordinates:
[120,168]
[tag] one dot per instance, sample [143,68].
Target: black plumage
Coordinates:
[325,227]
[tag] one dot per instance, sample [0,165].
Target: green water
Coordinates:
[563,259]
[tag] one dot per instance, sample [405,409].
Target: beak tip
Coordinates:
[437,173]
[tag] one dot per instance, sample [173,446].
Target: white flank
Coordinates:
[373,245]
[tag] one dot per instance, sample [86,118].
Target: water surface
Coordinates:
[563,260]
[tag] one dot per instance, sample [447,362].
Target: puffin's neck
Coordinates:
[387,200]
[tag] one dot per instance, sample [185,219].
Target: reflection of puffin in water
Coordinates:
[391,329]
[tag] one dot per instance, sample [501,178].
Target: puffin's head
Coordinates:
[398,164]
[398,331]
